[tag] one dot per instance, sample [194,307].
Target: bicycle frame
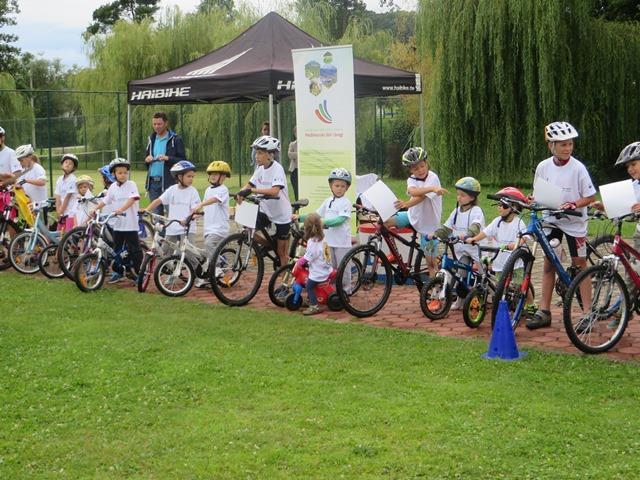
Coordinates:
[620,249]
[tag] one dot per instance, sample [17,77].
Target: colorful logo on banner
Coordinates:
[321,76]
[322,112]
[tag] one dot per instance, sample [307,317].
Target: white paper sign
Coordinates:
[547,194]
[382,199]
[618,197]
[247,214]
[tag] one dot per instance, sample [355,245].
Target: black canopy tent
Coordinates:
[257,66]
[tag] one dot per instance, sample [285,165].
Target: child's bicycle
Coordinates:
[240,261]
[597,327]
[175,274]
[373,274]
[91,268]
[10,226]
[325,291]
[26,248]
[514,288]
[474,282]
[159,245]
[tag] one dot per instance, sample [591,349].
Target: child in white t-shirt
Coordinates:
[34,178]
[568,173]
[215,205]
[180,199]
[269,179]
[124,197]
[65,192]
[466,220]
[84,185]
[504,231]
[316,257]
[425,205]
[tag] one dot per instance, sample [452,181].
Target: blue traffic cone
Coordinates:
[503,341]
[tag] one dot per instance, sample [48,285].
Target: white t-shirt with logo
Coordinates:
[278,211]
[65,186]
[116,196]
[216,215]
[8,161]
[36,194]
[338,236]
[425,217]
[460,224]
[180,202]
[84,208]
[500,234]
[575,182]
[319,263]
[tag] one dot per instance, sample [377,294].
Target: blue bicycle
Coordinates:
[515,280]
[26,248]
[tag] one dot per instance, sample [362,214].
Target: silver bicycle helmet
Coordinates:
[119,162]
[413,156]
[628,154]
[266,142]
[24,151]
[340,174]
[559,131]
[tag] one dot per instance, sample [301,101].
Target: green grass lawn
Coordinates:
[122,385]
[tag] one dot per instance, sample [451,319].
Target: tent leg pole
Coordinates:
[422,120]
[279,132]
[128,132]
[271,113]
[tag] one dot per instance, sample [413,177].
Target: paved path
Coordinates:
[402,311]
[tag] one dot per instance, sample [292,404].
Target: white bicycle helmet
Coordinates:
[72,157]
[340,174]
[2,132]
[266,142]
[559,131]
[119,162]
[24,151]
[628,154]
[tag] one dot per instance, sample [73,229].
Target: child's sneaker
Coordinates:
[201,283]
[457,305]
[115,277]
[312,310]
[541,319]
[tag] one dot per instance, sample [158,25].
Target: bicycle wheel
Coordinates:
[22,258]
[435,298]
[601,326]
[48,263]
[374,280]
[71,246]
[147,267]
[281,285]
[420,274]
[89,272]
[598,248]
[239,268]
[475,307]
[174,277]
[11,230]
[513,285]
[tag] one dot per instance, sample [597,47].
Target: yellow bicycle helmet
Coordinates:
[84,179]
[218,166]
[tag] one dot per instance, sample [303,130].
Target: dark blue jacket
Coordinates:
[175,152]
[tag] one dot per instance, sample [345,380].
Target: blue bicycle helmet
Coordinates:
[106,174]
[183,166]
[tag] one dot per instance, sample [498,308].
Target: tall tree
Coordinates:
[8,53]
[107,15]
[225,5]
[343,13]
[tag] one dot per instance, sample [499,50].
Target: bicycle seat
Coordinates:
[303,202]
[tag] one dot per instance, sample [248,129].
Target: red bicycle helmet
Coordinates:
[512,192]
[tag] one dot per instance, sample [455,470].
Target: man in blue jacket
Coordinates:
[164,150]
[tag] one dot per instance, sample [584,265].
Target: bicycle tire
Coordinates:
[281,285]
[22,260]
[420,274]
[147,268]
[371,260]
[71,246]
[11,230]
[236,283]
[512,293]
[165,275]
[606,324]
[474,308]
[600,247]
[48,263]
[89,267]
[430,293]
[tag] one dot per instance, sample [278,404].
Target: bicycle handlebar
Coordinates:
[535,207]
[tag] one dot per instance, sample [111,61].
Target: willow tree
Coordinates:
[502,69]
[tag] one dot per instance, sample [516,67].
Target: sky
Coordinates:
[53,28]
